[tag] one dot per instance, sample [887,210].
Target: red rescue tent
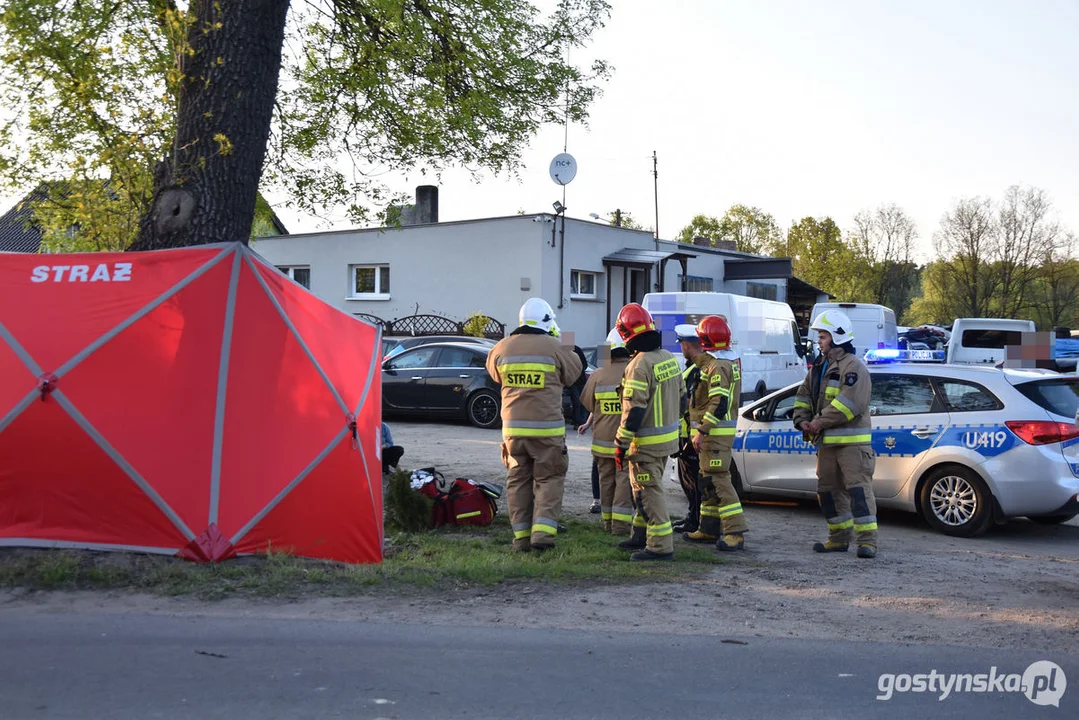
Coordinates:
[191,401]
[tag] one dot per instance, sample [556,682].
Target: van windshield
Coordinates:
[992,339]
[1060,397]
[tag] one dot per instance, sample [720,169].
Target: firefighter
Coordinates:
[533,366]
[831,409]
[688,462]
[602,397]
[653,400]
[712,412]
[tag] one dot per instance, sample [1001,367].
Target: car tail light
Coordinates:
[1042,432]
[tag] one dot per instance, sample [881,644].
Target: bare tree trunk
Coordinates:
[205,191]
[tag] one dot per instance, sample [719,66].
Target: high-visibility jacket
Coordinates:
[713,406]
[652,383]
[532,369]
[602,395]
[836,393]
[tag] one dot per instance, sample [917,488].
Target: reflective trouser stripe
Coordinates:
[638,521]
[545,525]
[625,514]
[840,523]
[521,530]
[728,510]
[710,511]
[660,530]
[865,527]
[602,447]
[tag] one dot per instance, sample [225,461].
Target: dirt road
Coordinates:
[1018,586]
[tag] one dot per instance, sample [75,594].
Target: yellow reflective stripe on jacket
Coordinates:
[710,418]
[841,406]
[802,404]
[625,434]
[631,384]
[533,428]
[526,367]
[847,439]
[657,435]
[612,395]
[602,447]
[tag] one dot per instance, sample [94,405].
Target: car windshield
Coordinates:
[1060,397]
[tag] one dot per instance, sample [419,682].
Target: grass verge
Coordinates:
[441,559]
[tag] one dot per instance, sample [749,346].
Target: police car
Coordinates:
[962,445]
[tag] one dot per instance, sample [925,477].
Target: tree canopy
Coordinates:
[178,107]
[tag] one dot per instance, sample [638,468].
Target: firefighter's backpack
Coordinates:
[459,501]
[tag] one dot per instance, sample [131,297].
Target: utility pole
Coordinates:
[617,217]
[655,178]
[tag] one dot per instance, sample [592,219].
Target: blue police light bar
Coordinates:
[891,355]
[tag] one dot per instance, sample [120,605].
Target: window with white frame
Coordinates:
[299,273]
[696,283]
[582,284]
[369,282]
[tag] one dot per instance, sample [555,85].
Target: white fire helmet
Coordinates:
[835,322]
[615,340]
[537,313]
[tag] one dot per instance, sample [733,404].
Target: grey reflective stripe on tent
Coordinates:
[222,383]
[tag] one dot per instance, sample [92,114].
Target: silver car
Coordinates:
[963,446]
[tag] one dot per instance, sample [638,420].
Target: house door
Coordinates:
[638,285]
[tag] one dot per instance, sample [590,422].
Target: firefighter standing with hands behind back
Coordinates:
[653,398]
[533,366]
[712,426]
[832,409]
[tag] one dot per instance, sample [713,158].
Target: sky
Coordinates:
[806,108]
[803,109]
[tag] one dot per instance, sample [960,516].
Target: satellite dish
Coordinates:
[563,169]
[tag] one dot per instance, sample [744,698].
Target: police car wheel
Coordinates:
[1050,519]
[483,409]
[955,501]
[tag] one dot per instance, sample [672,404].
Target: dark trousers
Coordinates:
[390,457]
[578,411]
[688,477]
[595,480]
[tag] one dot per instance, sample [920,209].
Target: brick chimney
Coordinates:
[702,242]
[726,245]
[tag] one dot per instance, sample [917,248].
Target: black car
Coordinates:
[393,345]
[442,380]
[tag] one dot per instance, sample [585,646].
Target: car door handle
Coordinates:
[417,377]
[464,376]
[923,433]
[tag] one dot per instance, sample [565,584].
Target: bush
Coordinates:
[475,324]
[406,508]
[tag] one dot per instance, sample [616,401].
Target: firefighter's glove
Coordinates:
[620,457]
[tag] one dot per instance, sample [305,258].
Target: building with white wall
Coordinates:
[585,270]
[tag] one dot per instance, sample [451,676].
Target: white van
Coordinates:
[874,325]
[764,335]
[977,341]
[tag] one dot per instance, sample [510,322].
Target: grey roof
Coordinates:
[641,257]
[17,233]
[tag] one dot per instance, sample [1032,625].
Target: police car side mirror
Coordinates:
[761,414]
[872,410]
